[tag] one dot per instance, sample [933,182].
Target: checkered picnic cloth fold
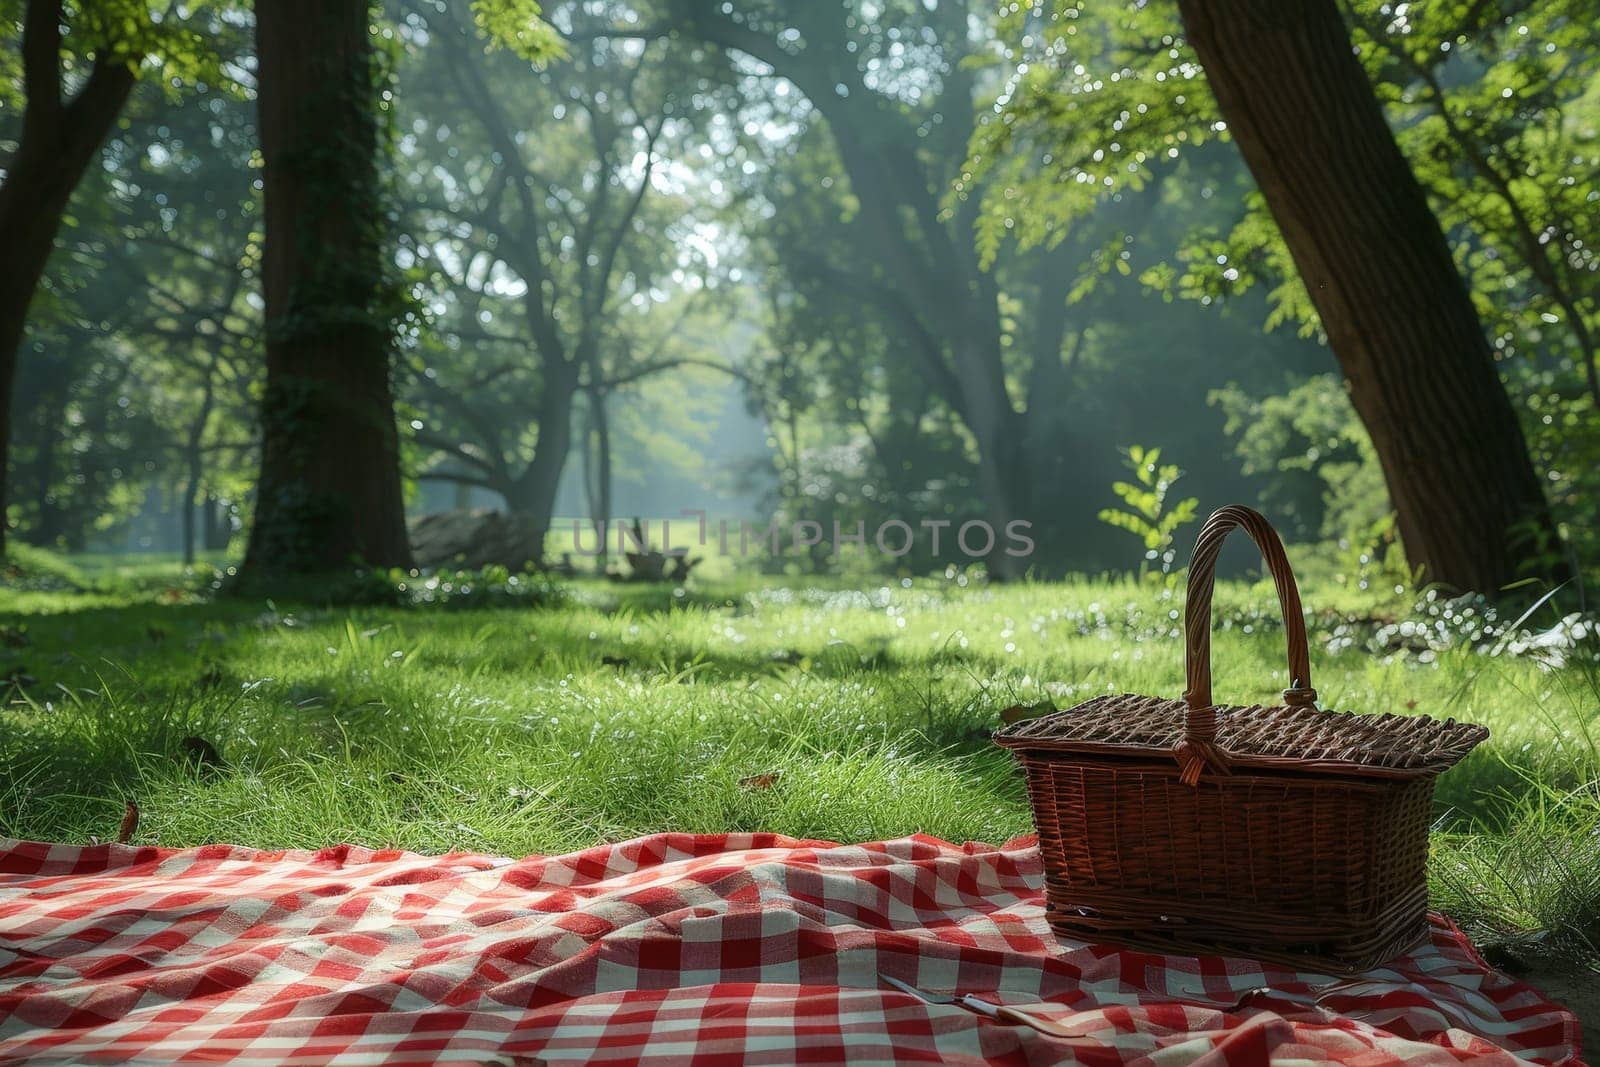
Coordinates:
[727,949]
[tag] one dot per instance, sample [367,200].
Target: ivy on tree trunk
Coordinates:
[329,492]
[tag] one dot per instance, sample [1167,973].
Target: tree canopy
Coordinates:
[939,260]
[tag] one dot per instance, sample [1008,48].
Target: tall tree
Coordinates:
[546,250]
[329,491]
[873,105]
[1336,225]
[893,83]
[1376,265]
[59,137]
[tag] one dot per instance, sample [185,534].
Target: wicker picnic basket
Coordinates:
[1287,834]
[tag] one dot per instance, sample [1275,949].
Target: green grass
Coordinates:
[814,709]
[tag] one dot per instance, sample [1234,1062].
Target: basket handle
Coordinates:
[1198,748]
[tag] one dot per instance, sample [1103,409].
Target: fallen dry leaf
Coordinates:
[130,823]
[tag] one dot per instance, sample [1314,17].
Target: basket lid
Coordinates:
[1285,738]
[1205,736]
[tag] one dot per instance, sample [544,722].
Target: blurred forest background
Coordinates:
[844,261]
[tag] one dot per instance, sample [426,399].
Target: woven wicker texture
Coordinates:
[1255,736]
[1286,834]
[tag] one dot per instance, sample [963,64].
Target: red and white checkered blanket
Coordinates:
[746,948]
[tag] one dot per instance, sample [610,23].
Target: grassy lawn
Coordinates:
[525,724]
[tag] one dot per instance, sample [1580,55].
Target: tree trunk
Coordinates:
[591,493]
[194,459]
[218,530]
[534,494]
[329,491]
[931,266]
[1399,319]
[58,140]
[186,511]
[596,453]
[40,428]
[602,433]
[1003,463]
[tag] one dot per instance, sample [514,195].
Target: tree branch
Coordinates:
[857,286]
[494,459]
[99,102]
[460,477]
[486,108]
[646,369]
[458,451]
[484,335]
[1542,260]
[653,32]
[619,234]
[41,65]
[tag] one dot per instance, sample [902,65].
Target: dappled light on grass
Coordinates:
[611,712]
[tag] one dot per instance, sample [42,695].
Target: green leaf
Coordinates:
[518,27]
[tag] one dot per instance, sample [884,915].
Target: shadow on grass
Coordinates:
[116,693]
